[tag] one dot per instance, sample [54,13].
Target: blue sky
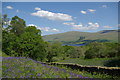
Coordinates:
[59,17]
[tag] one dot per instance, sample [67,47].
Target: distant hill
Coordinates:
[111,35]
[107,31]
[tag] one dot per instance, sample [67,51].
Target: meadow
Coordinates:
[88,62]
[21,67]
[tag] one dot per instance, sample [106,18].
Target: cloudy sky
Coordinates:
[59,17]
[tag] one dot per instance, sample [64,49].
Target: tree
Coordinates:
[96,49]
[81,38]
[0,20]
[0,32]
[89,54]
[69,51]
[5,20]
[113,49]
[33,30]
[55,50]
[31,44]
[23,41]
[17,25]
[79,52]
[9,44]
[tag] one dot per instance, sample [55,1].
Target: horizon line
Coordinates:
[79,31]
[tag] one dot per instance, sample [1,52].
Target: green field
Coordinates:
[87,62]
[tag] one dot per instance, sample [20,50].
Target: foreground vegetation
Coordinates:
[23,43]
[21,67]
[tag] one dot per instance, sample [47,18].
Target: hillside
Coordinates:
[22,67]
[111,35]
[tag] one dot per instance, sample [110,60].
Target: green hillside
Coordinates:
[111,35]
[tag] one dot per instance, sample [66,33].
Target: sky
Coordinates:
[59,17]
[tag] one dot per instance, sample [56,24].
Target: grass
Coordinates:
[91,75]
[3,54]
[87,62]
[21,67]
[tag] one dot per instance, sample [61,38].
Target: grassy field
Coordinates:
[21,67]
[87,62]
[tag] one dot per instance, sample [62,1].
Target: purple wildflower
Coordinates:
[38,74]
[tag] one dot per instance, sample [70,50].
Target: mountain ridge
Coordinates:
[111,35]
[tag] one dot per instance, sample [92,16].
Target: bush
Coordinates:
[102,50]
[89,54]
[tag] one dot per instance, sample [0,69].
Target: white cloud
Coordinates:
[90,23]
[71,23]
[46,29]
[9,7]
[91,10]
[89,26]
[37,8]
[55,30]
[104,6]
[107,26]
[52,16]
[83,12]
